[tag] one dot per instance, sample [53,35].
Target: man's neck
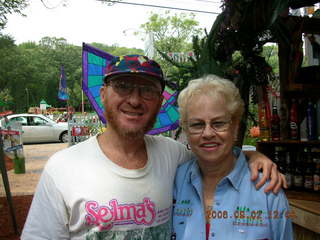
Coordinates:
[126,152]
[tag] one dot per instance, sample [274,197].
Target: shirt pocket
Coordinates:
[251,233]
[181,215]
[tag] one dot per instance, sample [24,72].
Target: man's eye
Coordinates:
[123,85]
[146,89]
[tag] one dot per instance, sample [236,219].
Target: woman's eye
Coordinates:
[196,125]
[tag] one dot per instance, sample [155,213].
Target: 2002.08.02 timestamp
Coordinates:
[254,214]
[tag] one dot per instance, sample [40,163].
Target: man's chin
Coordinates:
[130,130]
[135,132]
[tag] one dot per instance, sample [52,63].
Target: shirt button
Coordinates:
[212,234]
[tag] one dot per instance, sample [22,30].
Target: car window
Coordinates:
[37,121]
[22,120]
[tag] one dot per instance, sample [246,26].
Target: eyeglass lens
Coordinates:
[127,87]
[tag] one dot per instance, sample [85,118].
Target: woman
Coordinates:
[214,196]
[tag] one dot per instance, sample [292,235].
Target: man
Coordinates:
[117,185]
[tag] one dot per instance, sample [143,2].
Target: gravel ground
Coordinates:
[22,187]
[36,156]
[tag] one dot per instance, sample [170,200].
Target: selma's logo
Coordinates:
[120,214]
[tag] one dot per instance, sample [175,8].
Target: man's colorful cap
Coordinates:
[134,64]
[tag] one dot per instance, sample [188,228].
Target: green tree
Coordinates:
[171,33]
[116,50]
[31,71]
[9,7]
[6,99]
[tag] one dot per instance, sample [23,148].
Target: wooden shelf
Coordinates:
[300,195]
[288,142]
[306,214]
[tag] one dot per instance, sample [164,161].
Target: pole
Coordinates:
[27,91]
[82,103]
[7,187]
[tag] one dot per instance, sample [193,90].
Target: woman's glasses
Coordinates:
[197,127]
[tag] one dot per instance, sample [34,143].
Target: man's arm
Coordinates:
[258,161]
[47,218]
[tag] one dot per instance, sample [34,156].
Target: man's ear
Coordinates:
[103,93]
[160,102]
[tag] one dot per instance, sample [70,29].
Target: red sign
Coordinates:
[10,132]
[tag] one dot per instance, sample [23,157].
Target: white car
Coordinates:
[38,128]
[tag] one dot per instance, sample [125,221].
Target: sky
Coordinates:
[92,21]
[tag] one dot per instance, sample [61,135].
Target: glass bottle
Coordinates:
[311,121]
[275,124]
[297,175]
[308,174]
[263,123]
[289,171]
[294,120]
[316,177]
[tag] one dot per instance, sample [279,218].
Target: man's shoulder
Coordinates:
[163,141]
[73,153]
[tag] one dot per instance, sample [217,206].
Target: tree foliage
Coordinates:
[30,71]
[171,33]
[9,7]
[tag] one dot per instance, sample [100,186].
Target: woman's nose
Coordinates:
[208,131]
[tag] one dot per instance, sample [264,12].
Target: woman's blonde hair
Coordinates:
[216,88]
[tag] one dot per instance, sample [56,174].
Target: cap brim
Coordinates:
[142,75]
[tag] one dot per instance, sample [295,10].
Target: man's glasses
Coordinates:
[197,127]
[125,88]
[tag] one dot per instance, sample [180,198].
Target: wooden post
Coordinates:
[7,186]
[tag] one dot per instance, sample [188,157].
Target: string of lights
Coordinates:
[159,6]
[46,5]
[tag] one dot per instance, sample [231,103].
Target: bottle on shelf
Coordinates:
[316,177]
[284,119]
[276,157]
[318,119]
[263,123]
[294,120]
[297,174]
[311,122]
[275,124]
[308,173]
[289,171]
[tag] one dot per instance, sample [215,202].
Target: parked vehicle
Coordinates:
[39,128]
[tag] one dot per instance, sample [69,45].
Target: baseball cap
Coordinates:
[134,64]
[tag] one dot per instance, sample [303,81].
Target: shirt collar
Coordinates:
[235,176]
[194,171]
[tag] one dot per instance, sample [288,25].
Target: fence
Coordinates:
[82,127]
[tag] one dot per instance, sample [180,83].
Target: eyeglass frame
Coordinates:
[154,94]
[200,132]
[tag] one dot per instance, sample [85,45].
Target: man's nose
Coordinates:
[134,97]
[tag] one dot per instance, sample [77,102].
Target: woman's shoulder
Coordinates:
[186,166]
[185,169]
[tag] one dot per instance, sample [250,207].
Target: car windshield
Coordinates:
[22,120]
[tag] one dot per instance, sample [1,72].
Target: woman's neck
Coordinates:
[212,173]
[216,171]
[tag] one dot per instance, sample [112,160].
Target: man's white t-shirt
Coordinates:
[84,195]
